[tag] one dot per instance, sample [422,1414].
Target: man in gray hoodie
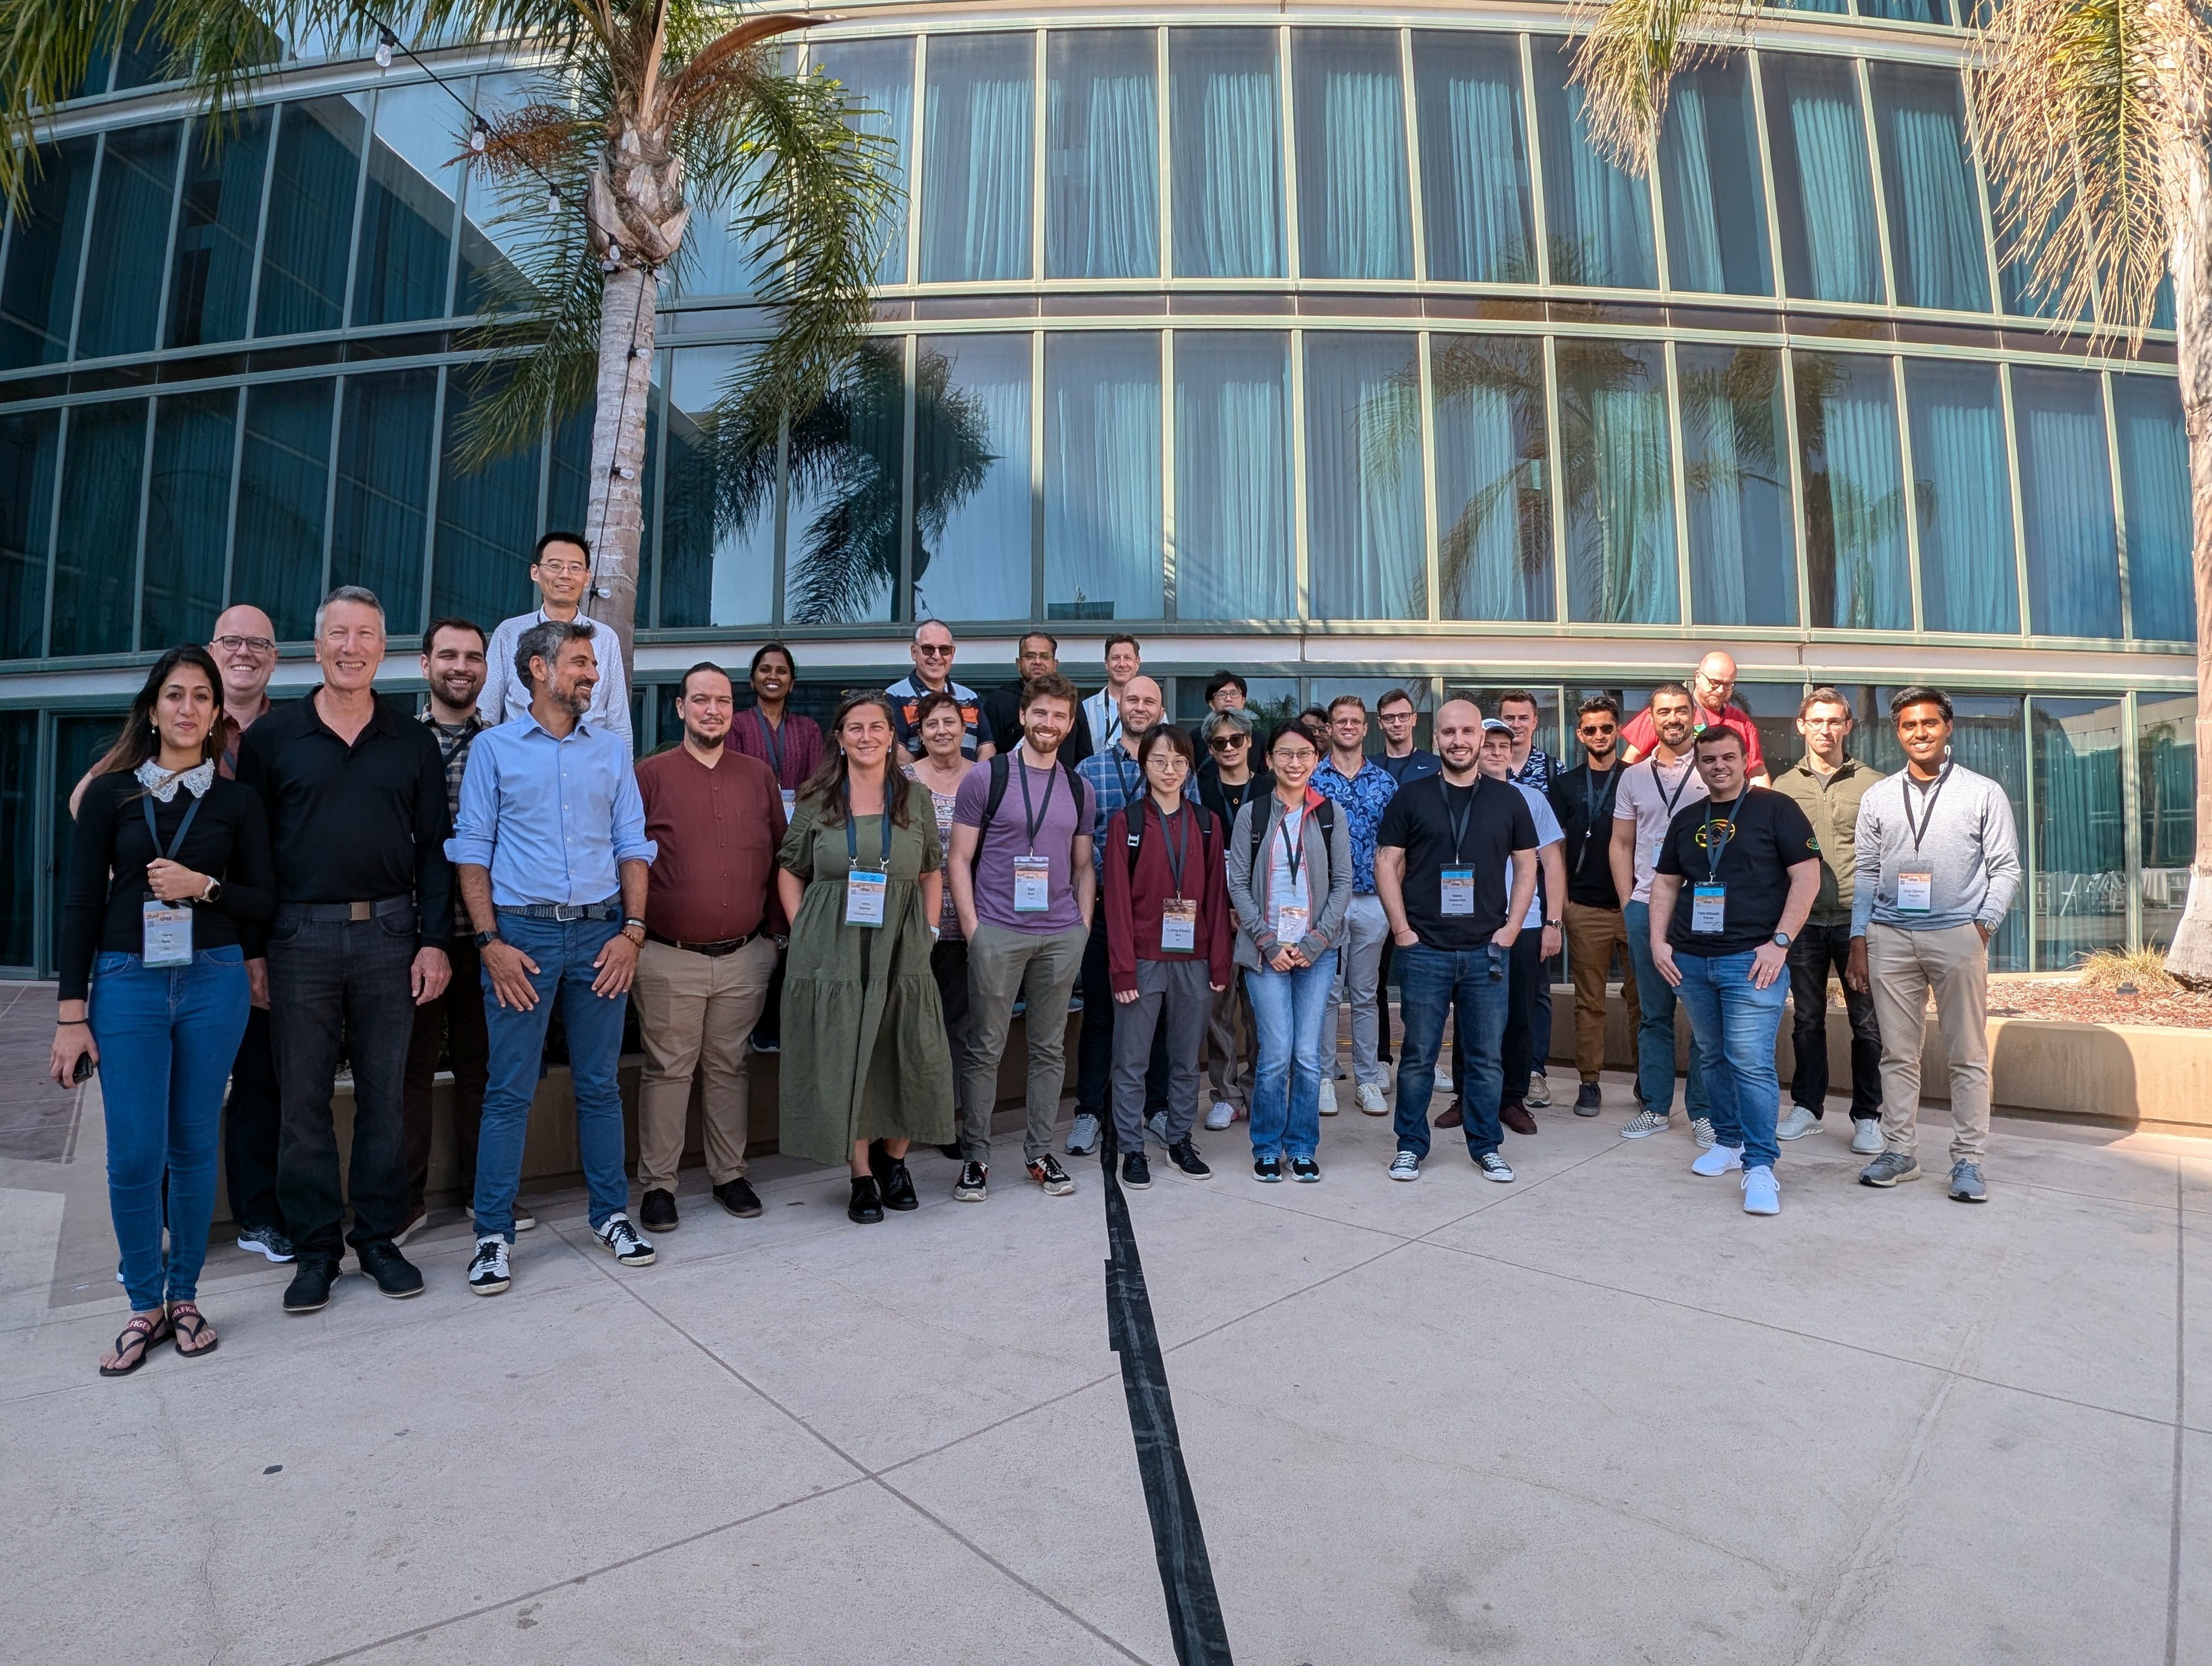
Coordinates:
[1938,866]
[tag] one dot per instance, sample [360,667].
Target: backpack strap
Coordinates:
[1000,774]
[1136,842]
[1324,818]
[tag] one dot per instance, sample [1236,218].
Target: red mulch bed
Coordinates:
[2033,999]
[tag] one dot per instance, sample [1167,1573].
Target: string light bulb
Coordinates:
[385,40]
[477,134]
[552,199]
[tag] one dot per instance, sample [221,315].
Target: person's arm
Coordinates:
[1770,959]
[1665,888]
[84,913]
[614,689]
[617,961]
[1120,922]
[508,968]
[1553,861]
[1620,857]
[1391,891]
[791,891]
[498,672]
[1084,876]
[1516,905]
[1866,836]
[966,841]
[433,874]
[922,809]
[1999,862]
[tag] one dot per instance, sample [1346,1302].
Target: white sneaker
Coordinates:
[1329,1098]
[1866,1136]
[1717,1159]
[1083,1138]
[1797,1124]
[1404,1167]
[488,1270]
[1761,1194]
[1540,1091]
[1370,1100]
[1221,1115]
[1443,1084]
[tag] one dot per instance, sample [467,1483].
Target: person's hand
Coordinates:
[429,975]
[510,971]
[1550,943]
[172,882]
[1662,957]
[257,982]
[72,1041]
[1768,961]
[1506,935]
[1855,968]
[1124,996]
[617,965]
[1405,939]
[1287,959]
[1985,930]
[1217,988]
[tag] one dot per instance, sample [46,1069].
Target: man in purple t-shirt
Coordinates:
[1024,886]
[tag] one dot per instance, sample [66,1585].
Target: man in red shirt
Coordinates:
[713,925]
[1711,689]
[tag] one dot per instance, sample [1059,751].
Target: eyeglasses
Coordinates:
[1596,730]
[562,569]
[245,645]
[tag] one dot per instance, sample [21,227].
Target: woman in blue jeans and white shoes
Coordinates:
[169,879]
[1290,883]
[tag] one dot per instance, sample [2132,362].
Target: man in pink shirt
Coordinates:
[1711,689]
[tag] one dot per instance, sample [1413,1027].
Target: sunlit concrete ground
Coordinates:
[1598,1415]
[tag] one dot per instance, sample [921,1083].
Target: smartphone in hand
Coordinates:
[82,1073]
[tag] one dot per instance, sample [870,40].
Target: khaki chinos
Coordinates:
[697,1011]
[1593,934]
[1903,966]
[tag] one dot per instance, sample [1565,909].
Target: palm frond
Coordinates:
[1630,53]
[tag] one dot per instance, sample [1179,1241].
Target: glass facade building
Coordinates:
[1314,342]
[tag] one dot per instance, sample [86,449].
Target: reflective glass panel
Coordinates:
[79,737]
[1962,494]
[187,518]
[2017,254]
[1366,537]
[1830,244]
[1598,228]
[385,428]
[1226,143]
[407,207]
[719,258]
[718,537]
[2154,449]
[841,564]
[1102,556]
[879,75]
[211,270]
[96,549]
[1354,220]
[283,504]
[975,158]
[1102,140]
[971,478]
[1855,560]
[1906,11]
[2081,837]
[2066,501]
[568,477]
[1709,167]
[497,225]
[1936,249]
[1620,484]
[2165,800]
[487,518]
[1235,556]
[122,300]
[38,292]
[18,824]
[310,216]
[30,448]
[1475,157]
[1493,479]
[1735,467]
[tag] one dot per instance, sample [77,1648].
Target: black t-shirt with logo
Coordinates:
[1496,823]
[1760,837]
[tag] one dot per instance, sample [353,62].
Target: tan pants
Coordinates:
[1903,967]
[1594,936]
[695,1008]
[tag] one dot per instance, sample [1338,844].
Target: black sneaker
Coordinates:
[1047,1173]
[265,1241]
[1184,1156]
[395,1275]
[950,1153]
[1268,1169]
[488,1271]
[974,1184]
[310,1289]
[867,1205]
[1588,1100]
[739,1198]
[656,1210]
[1136,1173]
[1305,1169]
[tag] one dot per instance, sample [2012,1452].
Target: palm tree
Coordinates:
[642,110]
[2096,117]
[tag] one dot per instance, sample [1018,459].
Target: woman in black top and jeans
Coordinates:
[169,877]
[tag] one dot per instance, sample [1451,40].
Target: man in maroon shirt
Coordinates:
[1712,689]
[712,927]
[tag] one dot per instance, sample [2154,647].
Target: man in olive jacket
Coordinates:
[1827,784]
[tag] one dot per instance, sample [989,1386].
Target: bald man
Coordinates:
[1712,687]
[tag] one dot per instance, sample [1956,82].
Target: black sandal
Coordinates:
[186,1325]
[144,1331]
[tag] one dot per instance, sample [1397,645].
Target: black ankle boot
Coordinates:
[867,1205]
[896,1185]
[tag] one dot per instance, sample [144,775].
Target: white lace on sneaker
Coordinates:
[1494,1167]
[1370,1100]
[621,1240]
[487,1270]
[1761,1194]
[1404,1167]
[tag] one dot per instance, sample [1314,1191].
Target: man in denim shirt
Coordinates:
[1362,790]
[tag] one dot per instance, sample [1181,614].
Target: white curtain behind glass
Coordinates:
[1365,526]
[1101,161]
[1934,211]
[1601,218]
[1474,163]
[1620,524]
[2154,485]
[1962,494]
[975,159]
[1354,220]
[979,558]
[879,75]
[1866,494]
[1103,501]
[2066,500]
[1234,550]
[1228,154]
[1834,210]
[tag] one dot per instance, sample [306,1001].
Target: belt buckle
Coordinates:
[569,913]
[358,911]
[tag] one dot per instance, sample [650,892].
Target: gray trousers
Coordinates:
[1358,967]
[1039,968]
[1180,987]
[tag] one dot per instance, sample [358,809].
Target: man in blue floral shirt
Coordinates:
[1361,789]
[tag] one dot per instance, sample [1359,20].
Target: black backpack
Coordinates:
[1324,818]
[1001,767]
[1136,841]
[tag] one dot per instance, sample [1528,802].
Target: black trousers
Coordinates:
[252,1119]
[1813,953]
[948,963]
[451,1027]
[1518,1055]
[1094,1048]
[1382,1001]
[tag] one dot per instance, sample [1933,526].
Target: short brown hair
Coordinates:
[1050,686]
[1719,731]
[453,622]
[1393,697]
[1825,695]
[1516,696]
[1107,646]
[1351,700]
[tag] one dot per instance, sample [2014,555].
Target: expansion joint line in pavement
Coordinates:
[2180,1415]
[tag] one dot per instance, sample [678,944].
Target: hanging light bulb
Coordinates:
[552,199]
[385,40]
[477,134]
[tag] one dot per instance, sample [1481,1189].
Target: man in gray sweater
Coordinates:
[1938,866]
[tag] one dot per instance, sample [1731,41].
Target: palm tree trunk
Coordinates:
[615,518]
[2191,956]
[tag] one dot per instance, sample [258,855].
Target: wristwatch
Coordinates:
[1782,939]
[214,890]
[1553,924]
[485,939]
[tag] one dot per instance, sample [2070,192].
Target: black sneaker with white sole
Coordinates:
[1494,1167]
[1136,1173]
[974,1184]
[390,1271]
[1184,1156]
[1268,1169]
[488,1270]
[620,1239]
[1305,1169]
[265,1241]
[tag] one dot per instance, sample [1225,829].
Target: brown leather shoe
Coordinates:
[1514,1116]
[1451,1118]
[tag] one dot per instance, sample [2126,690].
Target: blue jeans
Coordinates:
[1734,1025]
[166,1041]
[1655,1041]
[1477,984]
[564,951]
[1290,1010]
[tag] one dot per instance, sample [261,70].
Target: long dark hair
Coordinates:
[138,742]
[829,786]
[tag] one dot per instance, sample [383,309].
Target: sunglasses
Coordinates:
[1597,729]
[928,653]
[1229,743]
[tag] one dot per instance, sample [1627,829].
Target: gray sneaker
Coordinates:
[1889,1168]
[1966,1183]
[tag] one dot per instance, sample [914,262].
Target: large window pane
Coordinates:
[1102,155]
[211,272]
[407,207]
[1354,220]
[96,550]
[2016,259]
[2154,487]
[1962,493]
[1736,465]
[310,216]
[284,502]
[1598,218]
[1102,556]
[1494,489]
[1474,158]
[1234,553]
[1831,246]
[718,537]
[1619,501]
[385,430]
[1855,535]
[1715,201]
[18,813]
[39,291]
[30,449]
[843,551]
[1365,526]
[1227,149]
[487,519]
[2166,798]
[1935,244]
[975,158]
[2080,841]
[79,737]
[187,518]
[499,223]
[972,488]
[879,75]
[129,236]
[2066,500]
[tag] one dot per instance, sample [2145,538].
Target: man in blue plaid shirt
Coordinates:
[1362,789]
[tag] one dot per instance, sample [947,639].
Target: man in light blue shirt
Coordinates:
[551,850]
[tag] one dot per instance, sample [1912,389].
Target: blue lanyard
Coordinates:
[183,827]
[852,840]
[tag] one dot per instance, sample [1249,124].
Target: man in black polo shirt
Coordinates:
[1441,858]
[1582,799]
[357,819]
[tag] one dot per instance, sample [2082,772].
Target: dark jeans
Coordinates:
[1094,1049]
[948,963]
[1517,1051]
[1382,1001]
[1473,983]
[342,986]
[451,1026]
[1814,952]
[253,1121]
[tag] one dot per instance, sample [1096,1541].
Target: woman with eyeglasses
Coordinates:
[1227,782]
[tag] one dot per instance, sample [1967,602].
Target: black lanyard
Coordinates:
[1714,853]
[1928,798]
[1294,850]
[447,747]
[1032,821]
[1179,850]
[1243,792]
[1459,821]
[1591,801]
[852,839]
[154,833]
[1120,755]
[771,737]
[1667,804]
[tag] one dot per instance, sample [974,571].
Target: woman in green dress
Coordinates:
[866,1068]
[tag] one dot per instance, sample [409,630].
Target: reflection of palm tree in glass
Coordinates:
[1846,520]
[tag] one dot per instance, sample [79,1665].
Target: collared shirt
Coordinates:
[454,740]
[715,832]
[1538,771]
[1831,803]
[1102,715]
[1113,778]
[906,695]
[553,819]
[1415,764]
[354,823]
[1643,734]
[233,733]
[1362,798]
[506,696]
[793,751]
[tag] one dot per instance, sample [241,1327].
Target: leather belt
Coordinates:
[349,911]
[712,951]
[564,912]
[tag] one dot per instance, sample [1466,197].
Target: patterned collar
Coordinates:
[163,785]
